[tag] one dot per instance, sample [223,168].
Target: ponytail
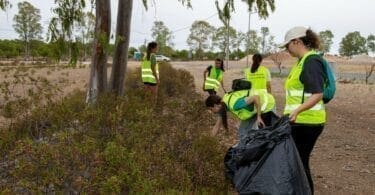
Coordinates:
[311,40]
[152,45]
[257,59]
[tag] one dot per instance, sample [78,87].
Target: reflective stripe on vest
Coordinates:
[213,80]
[294,93]
[147,74]
[258,79]
[267,102]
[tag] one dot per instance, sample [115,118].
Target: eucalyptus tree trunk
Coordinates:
[120,59]
[98,73]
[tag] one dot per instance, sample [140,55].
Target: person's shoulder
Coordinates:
[263,67]
[209,67]
[314,59]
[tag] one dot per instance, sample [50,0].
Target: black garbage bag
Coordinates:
[267,162]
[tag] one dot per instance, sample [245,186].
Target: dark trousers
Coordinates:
[305,137]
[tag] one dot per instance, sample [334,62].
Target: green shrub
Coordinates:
[118,145]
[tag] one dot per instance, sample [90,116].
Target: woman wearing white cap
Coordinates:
[304,92]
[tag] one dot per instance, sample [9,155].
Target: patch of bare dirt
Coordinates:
[343,160]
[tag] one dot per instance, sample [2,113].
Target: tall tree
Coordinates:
[27,24]
[271,46]
[86,30]
[162,35]
[262,7]
[4,4]
[252,42]
[371,43]
[98,67]
[219,40]
[200,35]
[120,59]
[265,32]
[353,44]
[326,40]
[62,26]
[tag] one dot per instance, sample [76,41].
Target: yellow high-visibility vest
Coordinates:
[295,93]
[147,75]
[258,79]
[214,79]
[267,102]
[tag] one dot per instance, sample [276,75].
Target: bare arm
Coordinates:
[204,77]
[153,64]
[269,87]
[312,101]
[217,126]
[255,99]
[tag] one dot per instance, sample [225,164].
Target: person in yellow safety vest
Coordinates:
[213,77]
[150,69]
[304,92]
[258,75]
[241,104]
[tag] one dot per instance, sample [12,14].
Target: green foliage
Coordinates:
[261,7]
[162,35]
[371,43]
[4,4]
[181,54]
[219,40]
[120,145]
[69,16]
[252,41]
[131,51]
[326,40]
[27,24]
[353,44]
[11,48]
[200,36]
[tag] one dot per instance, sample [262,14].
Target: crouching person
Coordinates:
[247,105]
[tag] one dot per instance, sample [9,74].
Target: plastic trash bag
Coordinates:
[267,162]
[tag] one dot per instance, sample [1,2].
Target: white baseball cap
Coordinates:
[293,33]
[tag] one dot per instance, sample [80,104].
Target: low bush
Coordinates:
[119,145]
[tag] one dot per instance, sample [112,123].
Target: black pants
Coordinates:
[269,118]
[305,137]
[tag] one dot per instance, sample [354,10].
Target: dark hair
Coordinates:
[257,59]
[221,63]
[311,40]
[215,99]
[152,45]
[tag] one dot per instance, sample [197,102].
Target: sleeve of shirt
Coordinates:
[313,75]
[153,59]
[241,104]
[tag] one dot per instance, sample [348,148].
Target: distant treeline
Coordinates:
[11,49]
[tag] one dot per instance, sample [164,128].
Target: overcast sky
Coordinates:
[339,16]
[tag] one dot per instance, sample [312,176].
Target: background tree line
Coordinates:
[205,41]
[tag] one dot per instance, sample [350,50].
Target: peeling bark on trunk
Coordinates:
[98,73]
[120,59]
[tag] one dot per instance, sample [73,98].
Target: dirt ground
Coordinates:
[343,160]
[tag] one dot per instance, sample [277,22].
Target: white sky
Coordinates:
[339,16]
